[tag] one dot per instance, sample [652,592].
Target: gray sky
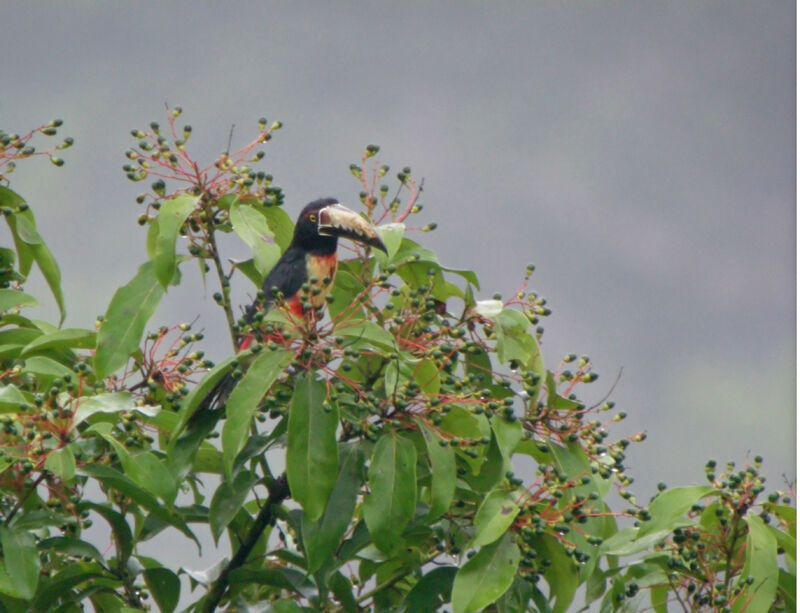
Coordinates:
[642,155]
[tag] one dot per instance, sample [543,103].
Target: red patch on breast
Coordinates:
[248,340]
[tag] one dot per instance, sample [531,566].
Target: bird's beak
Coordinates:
[338,220]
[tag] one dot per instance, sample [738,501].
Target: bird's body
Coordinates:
[303,276]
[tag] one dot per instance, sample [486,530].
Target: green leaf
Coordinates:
[61,463]
[561,575]
[123,537]
[60,584]
[244,400]
[43,366]
[21,560]
[463,424]
[171,217]
[11,399]
[31,247]
[515,343]
[393,490]
[493,518]
[321,537]
[508,435]
[199,393]
[281,225]
[252,228]
[165,587]
[68,338]
[670,506]
[342,589]
[248,269]
[486,576]
[432,591]
[12,298]
[391,234]
[787,589]
[761,563]
[11,199]
[312,455]
[426,374]
[155,477]
[443,471]
[369,332]
[469,275]
[131,308]
[126,486]
[346,288]
[71,546]
[227,501]
[284,606]
[112,402]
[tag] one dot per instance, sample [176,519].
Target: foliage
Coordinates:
[401,417]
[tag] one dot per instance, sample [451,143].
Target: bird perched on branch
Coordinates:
[310,259]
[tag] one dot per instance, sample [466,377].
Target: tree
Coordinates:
[399,417]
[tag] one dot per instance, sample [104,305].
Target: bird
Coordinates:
[311,258]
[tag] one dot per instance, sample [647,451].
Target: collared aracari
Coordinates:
[310,258]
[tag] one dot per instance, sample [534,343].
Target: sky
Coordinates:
[642,155]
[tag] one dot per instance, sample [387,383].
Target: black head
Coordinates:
[323,221]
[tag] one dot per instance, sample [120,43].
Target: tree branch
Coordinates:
[277,494]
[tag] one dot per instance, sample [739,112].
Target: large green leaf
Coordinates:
[131,308]
[391,234]
[514,342]
[669,507]
[486,576]
[369,332]
[252,228]
[393,490]
[171,217]
[432,591]
[11,399]
[123,537]
[346,289]
[493,518]
[61,463]
[321,537]
[11,199]
[562,577]
[60,586]
[312,454]
[155,476]
[42,366]
[244,400]
[443,471]
[165,587]
[30,245]
[227,501]
[761,563]
[141,496]
[71,546]
[12,298]
[281,225]
[111,402]
[68,338]
[21,559]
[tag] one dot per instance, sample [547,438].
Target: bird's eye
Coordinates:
[312,217]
